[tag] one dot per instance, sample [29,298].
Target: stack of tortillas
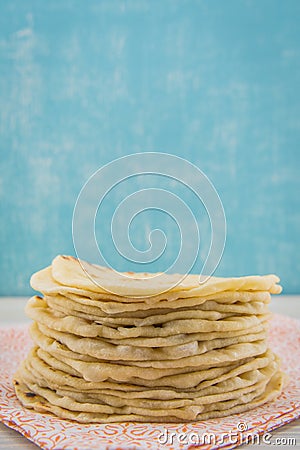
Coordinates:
[112,347]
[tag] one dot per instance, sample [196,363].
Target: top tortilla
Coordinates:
[78,274]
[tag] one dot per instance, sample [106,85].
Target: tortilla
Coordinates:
[112,347]
[46,400]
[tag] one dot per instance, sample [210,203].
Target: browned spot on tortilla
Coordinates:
[30,394]
[69,258]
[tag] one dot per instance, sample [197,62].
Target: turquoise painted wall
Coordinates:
[216,82]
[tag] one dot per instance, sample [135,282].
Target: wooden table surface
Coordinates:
[12,312]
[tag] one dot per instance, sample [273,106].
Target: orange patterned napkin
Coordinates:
[50,432]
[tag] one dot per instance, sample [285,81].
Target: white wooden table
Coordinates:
[12,312]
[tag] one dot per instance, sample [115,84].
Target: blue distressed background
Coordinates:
[216,82]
